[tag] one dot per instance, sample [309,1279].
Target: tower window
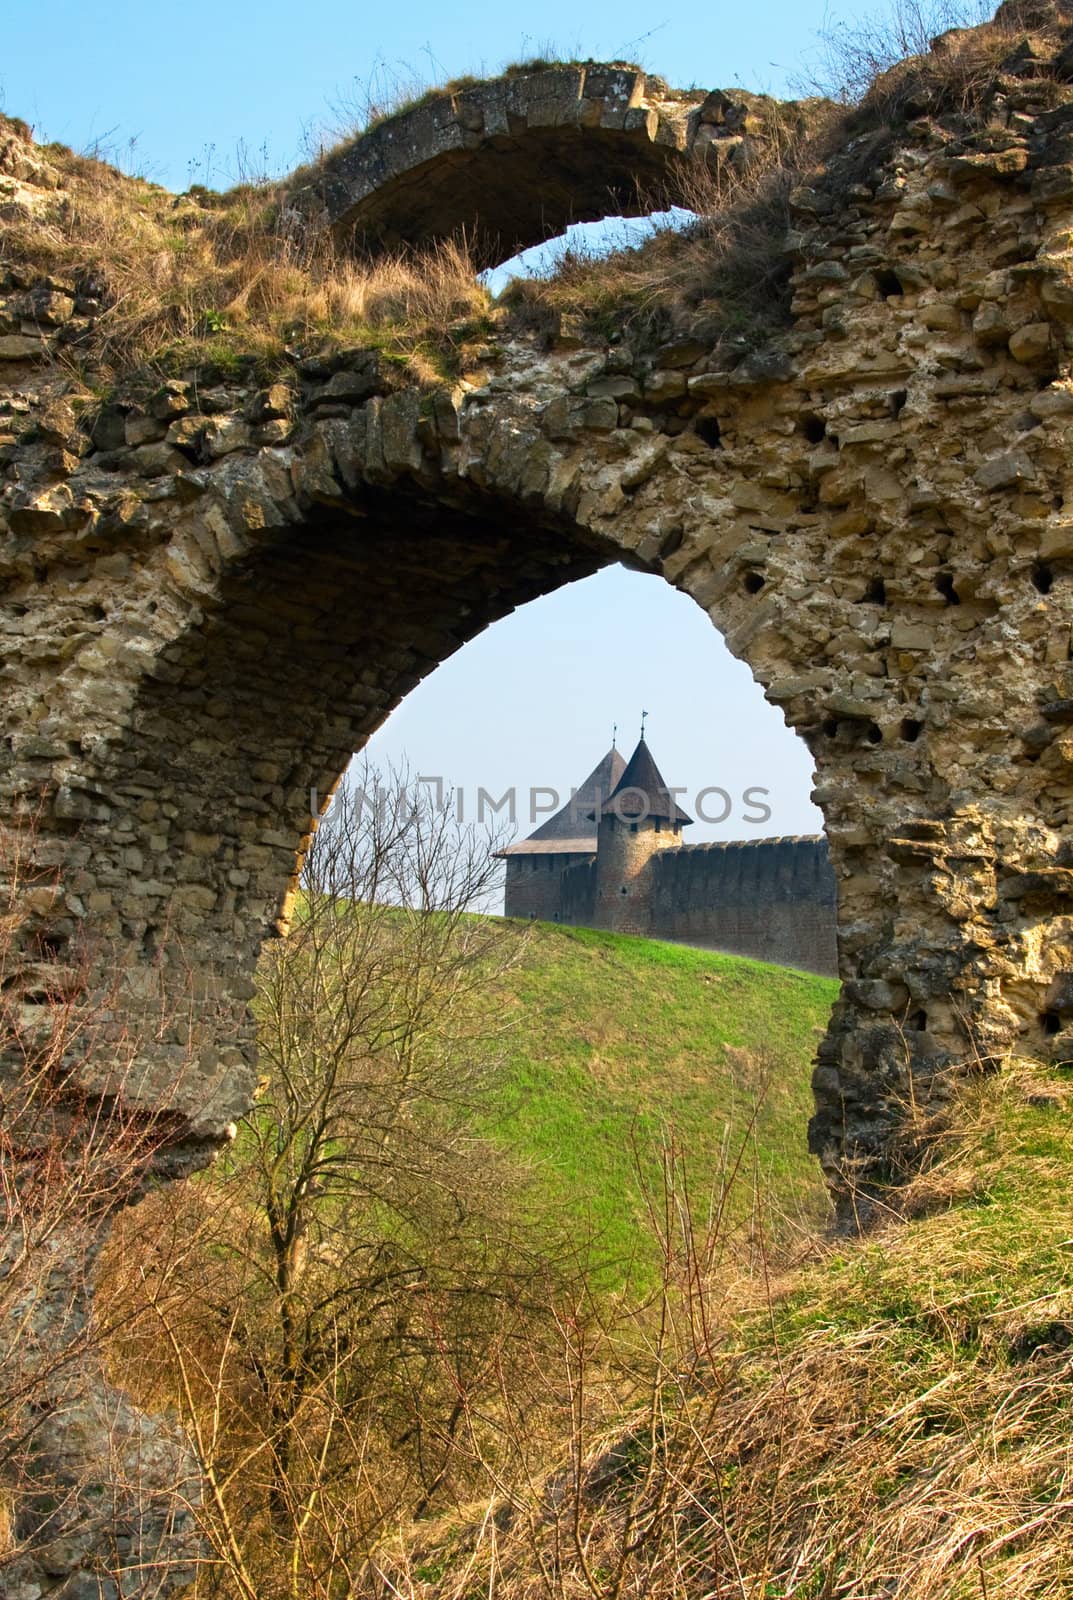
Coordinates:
[633,827]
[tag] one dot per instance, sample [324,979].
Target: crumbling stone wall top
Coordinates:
[514,161]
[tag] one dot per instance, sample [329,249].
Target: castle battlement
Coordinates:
[628,870]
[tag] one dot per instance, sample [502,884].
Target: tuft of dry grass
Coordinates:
[170,281]
[724,275]
[886,1418]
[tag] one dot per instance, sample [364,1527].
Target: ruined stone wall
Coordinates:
[213,589]
[773,899]
[520,158]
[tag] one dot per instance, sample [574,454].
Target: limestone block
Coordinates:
[1032,343]
[1005,471]
[21,347]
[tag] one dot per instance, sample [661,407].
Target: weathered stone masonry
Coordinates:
[212,599]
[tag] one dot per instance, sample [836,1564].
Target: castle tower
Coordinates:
[640,818]
[536,865]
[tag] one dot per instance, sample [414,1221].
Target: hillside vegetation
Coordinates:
[890,1418]
[614,1044]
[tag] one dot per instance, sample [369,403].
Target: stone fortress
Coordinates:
[613,857]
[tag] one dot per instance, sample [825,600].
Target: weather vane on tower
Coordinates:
[644,714]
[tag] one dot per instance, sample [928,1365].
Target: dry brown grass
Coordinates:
[888,1419]
[177,280]
[725,275]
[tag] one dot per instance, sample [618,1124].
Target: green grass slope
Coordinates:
[613,1043]
[888,1420]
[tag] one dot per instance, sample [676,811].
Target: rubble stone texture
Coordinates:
[212,599]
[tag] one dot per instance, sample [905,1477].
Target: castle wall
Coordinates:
[577,894]
[532,886]
[773,899]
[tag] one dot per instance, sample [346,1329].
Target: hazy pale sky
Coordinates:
[206,92]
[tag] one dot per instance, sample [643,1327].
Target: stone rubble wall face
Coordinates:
[209,600]
[197,638]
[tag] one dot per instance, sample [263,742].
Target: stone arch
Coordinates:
[874,510]
[515,160]
[276,605]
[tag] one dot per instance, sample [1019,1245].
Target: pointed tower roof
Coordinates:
[573,827]
[644,777]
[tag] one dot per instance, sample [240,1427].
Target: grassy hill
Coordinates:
[889,1418]
[615,1043]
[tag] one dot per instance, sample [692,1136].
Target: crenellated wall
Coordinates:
[774,899]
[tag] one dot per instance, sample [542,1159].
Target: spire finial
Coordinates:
[614,736]
[644,715]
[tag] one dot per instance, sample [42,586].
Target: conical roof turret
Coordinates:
[642,794]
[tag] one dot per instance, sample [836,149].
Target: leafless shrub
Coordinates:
[331,1306]
[856,52]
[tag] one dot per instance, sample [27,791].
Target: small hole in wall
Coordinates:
[911,729]
[1043,579]
[1050,1022]
[623,889]
[874,734]
[672,540]
[52,945]
[830,727]
[708,430]
[888,283]
[152,608]
[813,427]
[919,1021]
[897,402]
[753,582]
[944,582]
[98,613]
[875,594]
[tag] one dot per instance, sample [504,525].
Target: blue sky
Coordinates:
[205,92]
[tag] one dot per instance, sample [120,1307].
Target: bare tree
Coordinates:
[364,1259]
